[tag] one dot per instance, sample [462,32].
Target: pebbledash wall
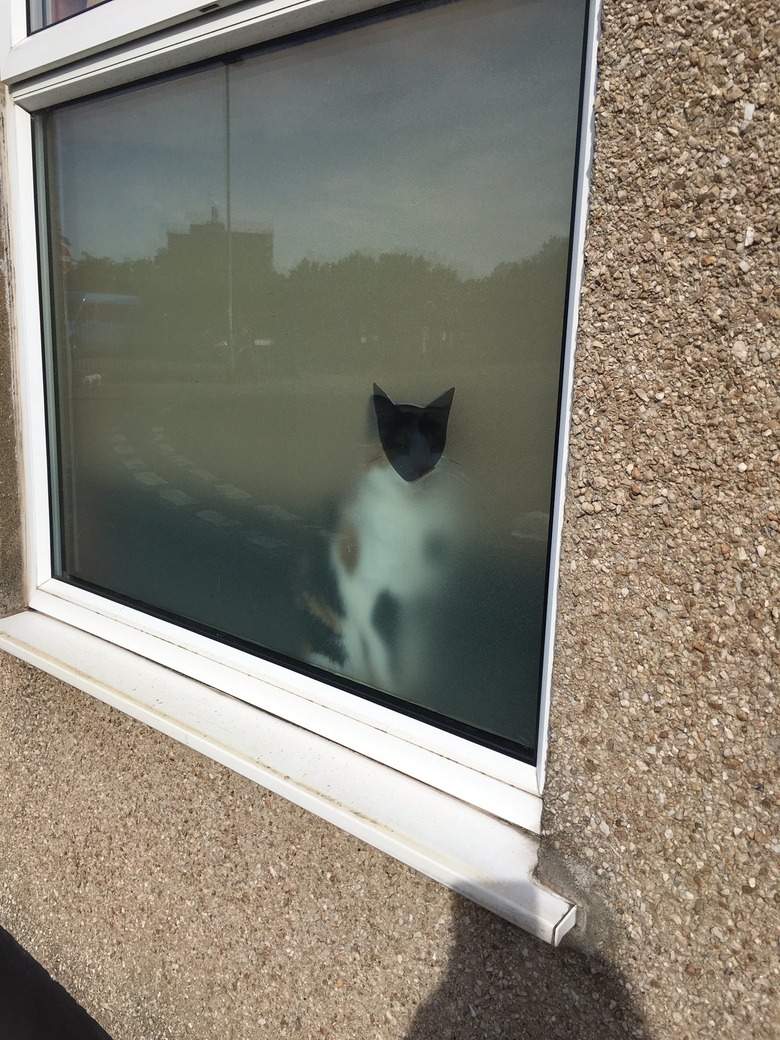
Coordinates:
[174,898]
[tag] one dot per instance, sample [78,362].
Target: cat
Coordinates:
[387,560]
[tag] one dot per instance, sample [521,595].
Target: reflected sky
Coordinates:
[447,133]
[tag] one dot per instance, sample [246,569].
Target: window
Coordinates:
[307,291]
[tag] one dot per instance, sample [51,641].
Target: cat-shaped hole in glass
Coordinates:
[412,436]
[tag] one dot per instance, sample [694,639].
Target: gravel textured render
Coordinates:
[173,898]
[662,803]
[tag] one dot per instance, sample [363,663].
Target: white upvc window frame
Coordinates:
[391,768]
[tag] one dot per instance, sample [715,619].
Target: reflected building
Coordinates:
[212,245]
[214,287]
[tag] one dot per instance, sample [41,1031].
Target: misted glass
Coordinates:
[249,261]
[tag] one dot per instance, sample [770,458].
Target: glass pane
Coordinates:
[46,12]
[258,265]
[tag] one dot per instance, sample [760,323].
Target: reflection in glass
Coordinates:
[46,12]
[244,252]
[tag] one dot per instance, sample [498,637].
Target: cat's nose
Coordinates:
[419,472]
[409,471]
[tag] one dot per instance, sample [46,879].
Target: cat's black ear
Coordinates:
[386,410]
[445,401]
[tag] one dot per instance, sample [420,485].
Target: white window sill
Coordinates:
[464,848]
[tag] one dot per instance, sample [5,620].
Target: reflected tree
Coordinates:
[213,295]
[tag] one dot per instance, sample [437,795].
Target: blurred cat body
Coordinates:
[388,558]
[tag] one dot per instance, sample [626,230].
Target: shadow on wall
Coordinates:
[501,982]
[35,1007]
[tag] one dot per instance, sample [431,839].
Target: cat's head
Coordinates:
[412,436]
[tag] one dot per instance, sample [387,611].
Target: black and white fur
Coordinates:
[388,558]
